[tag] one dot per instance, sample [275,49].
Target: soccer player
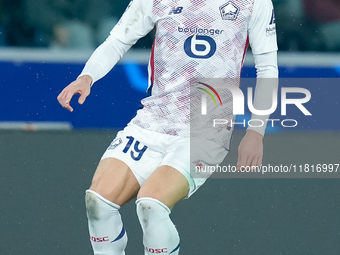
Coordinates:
[150,158]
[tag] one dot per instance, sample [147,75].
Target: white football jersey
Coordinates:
[194,39]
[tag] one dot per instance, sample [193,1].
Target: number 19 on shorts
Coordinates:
[133,146]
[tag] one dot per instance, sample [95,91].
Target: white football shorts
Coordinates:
[144,151]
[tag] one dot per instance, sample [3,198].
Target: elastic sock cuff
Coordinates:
[103,199]
[156,201]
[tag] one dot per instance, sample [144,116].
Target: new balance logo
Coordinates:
[177,10]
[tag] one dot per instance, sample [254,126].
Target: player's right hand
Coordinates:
[80,86]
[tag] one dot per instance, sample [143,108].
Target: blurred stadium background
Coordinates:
[48,155]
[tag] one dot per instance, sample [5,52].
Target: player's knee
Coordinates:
[158,229]
[91,204]
[96,205]
[99,191]
[150,210]
[96,185]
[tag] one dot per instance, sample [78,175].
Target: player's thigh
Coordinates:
[167,185]
[115,181]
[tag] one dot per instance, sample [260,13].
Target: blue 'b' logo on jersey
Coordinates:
[200,46]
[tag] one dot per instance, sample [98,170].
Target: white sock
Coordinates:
[107,233]
[159,233]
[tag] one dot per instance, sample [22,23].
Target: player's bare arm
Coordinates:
[81,86]
[250,151]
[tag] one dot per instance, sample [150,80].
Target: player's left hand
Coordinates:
[250,150]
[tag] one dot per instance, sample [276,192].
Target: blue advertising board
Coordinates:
[29,90]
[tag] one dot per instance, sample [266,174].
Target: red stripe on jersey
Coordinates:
[152,62]
[245,50]
[244,55]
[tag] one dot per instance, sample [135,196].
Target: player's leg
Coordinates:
[113,185]
[161,191]
[167,185]
[115,181]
